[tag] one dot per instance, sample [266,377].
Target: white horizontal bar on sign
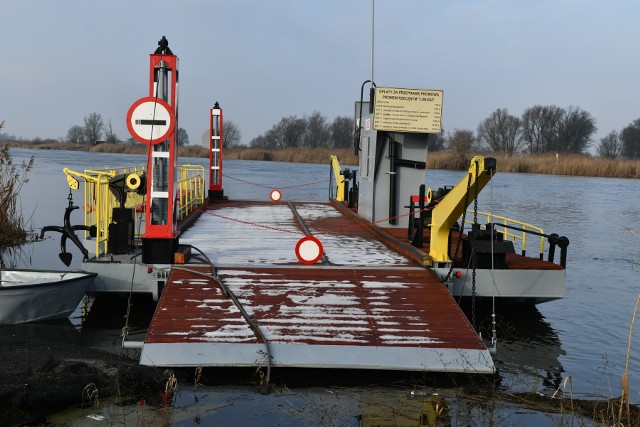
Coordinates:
[160,154]
[215,167]
[215,137]
[215,149]
[159,194]
[215,112]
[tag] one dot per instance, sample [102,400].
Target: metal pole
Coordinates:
[372,34]
[371,89]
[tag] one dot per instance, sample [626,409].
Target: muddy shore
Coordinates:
[39,377]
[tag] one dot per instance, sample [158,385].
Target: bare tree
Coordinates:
[291,131]
[287,133]
[577,126]
[318,133]
[540,127]
[93,126]
[610,146]
[182,137]
[501,132]
[436,141]
[272,139]
[230,134]
[341,132]
[461,141]
[258,142]
[76,135]
[110,136]
[630,136]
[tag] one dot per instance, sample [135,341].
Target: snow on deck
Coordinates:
[267,234]
[370,309]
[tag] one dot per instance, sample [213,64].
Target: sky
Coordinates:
[263,60]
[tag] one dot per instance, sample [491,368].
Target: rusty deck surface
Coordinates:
[365,307]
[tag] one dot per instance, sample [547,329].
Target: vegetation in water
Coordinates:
[12,178]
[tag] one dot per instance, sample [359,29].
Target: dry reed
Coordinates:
[12,177]
[551,164]
[562,164]
[307,155]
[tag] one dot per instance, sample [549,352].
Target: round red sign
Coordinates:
[151,120]
[309,250]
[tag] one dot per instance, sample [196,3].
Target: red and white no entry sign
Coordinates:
[309,250]
[151,120]
[275,195]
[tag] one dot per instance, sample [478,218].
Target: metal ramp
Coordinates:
[368,308]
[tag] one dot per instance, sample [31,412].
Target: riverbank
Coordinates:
[40,377]
[549,164]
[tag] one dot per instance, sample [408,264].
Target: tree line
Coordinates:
[94,130]
[313,131]
[544,129]
[540,129]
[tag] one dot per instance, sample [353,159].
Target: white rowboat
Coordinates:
[33,295]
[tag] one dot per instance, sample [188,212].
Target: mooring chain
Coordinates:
[473,252]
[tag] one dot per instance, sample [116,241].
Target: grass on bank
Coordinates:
[551,164]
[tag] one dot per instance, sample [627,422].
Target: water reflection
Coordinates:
[108,315]
[528,351]
[416,409]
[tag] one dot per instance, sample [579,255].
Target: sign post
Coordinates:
[153,120]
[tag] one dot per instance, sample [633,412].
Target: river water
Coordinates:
[583,336]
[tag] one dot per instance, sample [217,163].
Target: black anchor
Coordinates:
[68,231]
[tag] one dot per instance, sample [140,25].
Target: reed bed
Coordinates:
[12,223]
[550,164]
[346,156]
[562,164]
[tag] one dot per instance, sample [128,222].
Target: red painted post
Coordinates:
[215,154]
[160,239]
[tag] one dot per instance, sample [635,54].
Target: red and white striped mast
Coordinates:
[215,154]
[153,120]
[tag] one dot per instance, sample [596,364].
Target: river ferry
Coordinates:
[369,279]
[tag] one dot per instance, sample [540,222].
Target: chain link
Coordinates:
[473,251]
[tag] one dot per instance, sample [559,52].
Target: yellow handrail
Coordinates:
[190,190]
[335,164]
[514,234]
[99,201]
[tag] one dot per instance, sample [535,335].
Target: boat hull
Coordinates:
[534,286]
[35,295]
[119,274]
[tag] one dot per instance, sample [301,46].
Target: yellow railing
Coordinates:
[340,187]
[514,235]
[99,201]
[190,190]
